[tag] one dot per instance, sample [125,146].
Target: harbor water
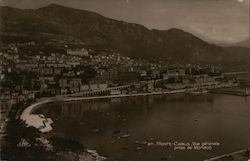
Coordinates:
[152,128]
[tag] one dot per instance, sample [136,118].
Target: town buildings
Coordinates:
[25,75]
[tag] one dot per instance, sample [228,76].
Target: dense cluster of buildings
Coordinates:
[78,70]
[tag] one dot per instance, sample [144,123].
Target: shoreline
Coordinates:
[41,122]
[44,124]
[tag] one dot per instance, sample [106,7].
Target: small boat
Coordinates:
[125,136]
[137,142]
[138,148]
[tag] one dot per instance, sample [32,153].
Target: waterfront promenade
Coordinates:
[44,124]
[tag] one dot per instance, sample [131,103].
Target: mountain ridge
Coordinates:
[245,43]
[130,39]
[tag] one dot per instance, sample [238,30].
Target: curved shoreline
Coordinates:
[44,124]
[36,120]
[40,122]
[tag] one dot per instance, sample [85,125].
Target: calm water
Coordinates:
[184,118]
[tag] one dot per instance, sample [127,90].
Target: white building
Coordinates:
[78,52]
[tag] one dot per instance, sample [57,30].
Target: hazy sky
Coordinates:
[214,20]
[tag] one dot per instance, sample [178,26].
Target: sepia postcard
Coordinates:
[124,80]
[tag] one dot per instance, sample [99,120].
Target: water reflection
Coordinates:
[102,124]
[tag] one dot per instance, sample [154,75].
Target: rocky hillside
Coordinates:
[173,45]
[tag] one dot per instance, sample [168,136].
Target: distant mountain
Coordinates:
[129,39]
[241,52]
[244,43]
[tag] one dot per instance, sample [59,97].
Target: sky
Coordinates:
[218,21]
